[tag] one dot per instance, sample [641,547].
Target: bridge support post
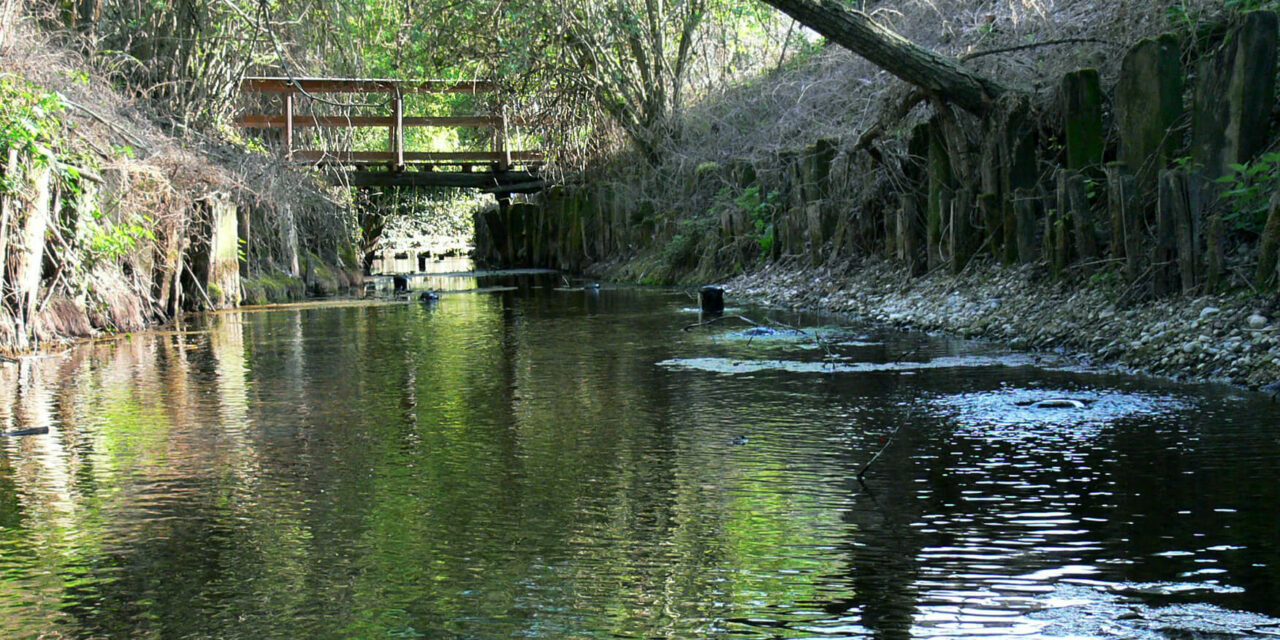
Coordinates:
[288,126]
[397,131]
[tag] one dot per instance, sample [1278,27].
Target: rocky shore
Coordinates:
[1226,338]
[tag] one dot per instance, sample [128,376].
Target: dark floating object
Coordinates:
[711,299]
[39,431]
[740,440]
[429,296]
[1054,403]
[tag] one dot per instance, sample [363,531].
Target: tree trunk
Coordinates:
[931,71]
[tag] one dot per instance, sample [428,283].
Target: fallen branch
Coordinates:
[879,453]
[721,319]
[1035,45]
[124,133]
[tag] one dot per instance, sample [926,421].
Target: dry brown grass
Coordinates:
[153,169]
[832,93]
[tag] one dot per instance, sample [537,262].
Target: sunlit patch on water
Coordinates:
[786,334]
[1086,612]
[1026,409]
[740,366]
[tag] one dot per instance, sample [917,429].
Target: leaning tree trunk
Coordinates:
[884,48]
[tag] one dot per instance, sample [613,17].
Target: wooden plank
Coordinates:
[266,121]
[516,180]
[361,85]
[518,157]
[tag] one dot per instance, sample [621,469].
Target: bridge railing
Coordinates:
[499,158]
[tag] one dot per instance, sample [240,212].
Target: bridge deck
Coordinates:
[492,170]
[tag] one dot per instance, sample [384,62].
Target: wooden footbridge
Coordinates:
[498,170]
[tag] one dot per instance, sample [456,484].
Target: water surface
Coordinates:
[529,459]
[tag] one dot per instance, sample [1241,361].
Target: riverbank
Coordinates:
[1225,338]
[113,218]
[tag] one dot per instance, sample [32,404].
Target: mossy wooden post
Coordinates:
[813,216]
[792,199]
[1214,259]
[890,233]
[1171,198]
[1126,219]
[941,190]
[214,256]
[819,159]
[1186,224]
[960,230]
[615,194]
[1018,143]
[489,237]
[993,221]
[1148,105]
[1269,247]
[514,239]
[32,209]
[567,235]
[1177,209]
[1057,223]
[1082,113]
[989,204]
[1082,222]
[517,224]
[911,234]
[1230,121]
[1026,203]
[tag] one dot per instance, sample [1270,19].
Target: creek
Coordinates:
[523,458]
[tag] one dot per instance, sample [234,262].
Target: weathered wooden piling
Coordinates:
[31,207]
[1235,89]
[911,243]
[960,230]
[941,191]
[1018,141]
[1171,202]
[1057,227]
[1026,204]
[1127,231]
[1148,106]
[1082,114]
[993,223]
[1081,216]
[1214,257]
[1269,247]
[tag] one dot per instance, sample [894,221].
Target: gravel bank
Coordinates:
[1231,338]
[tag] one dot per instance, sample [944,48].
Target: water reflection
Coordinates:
[516,462]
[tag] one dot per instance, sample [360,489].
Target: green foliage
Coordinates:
[29,122]
[1248,191]
[760,211]
[682,251]
[112,241]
